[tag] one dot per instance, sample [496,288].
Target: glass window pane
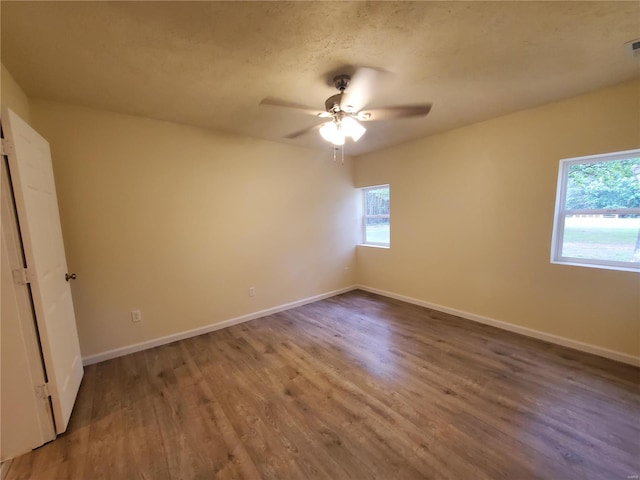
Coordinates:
[602,237]
[377,201]
[376,230]
[609,184]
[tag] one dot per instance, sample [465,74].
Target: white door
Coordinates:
[35,195]
[26,418]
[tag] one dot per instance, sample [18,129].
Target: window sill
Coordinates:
[371,245]
[621,268]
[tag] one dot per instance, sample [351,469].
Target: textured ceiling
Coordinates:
[210,63]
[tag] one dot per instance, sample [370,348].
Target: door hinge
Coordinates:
[22,276]
[6,146]
[42,391]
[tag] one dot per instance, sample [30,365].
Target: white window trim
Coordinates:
[365,216]
[561,212]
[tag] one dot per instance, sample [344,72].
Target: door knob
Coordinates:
[68,277]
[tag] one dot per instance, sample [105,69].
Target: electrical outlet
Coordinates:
[252,291]
[136,316]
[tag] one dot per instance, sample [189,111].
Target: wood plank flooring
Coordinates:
[357,386]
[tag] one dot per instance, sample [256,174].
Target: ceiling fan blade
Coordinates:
[360,89]
[299,133]
[387,113]
[276,102]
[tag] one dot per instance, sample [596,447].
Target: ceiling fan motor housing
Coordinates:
[341,82]
[332,104]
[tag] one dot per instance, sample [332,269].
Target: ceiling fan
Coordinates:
[345,110]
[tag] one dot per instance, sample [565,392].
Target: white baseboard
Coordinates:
[566,342]
[547,337]
[137,347]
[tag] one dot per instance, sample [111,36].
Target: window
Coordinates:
[375,223]
[597,219]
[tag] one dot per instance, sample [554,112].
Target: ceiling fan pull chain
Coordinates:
[342,153]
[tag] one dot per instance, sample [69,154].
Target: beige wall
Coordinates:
[12,96]
[472,215]
[179,222]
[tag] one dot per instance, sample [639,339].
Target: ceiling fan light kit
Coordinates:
[345,108]
[352,128]
[335,131]
[332,132]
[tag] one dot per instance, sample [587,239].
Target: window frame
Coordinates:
[363,191]
[561,212]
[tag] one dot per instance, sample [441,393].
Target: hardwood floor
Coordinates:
[354,387]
